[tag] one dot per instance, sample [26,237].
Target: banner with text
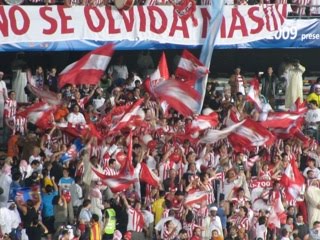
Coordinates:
[57,28]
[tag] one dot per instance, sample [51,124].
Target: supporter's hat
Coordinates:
[214,208]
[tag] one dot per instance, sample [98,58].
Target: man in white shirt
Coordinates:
[261,228]
[212,222]
[99,100]
[118,72]
[76,117]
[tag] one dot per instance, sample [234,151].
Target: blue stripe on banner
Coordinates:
[208,46]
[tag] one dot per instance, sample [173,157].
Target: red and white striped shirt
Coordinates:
[20,125]
[242,222]
[169,235]
[10,109]
[189,227]
[110,171]
[209,189]
[134,220]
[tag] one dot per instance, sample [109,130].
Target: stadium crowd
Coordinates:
[64,182]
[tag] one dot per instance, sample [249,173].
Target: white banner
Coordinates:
[34,24]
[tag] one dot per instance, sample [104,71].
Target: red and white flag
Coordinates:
[159,75]
[251,161]
[292,180]
[148,176]
[253,94]
[190,69]
[203,122]
[278,214]
[115,115]
[214,135]
[89,69]
[39,114]
[130,118]
[280,120]
[299,107]
[249,136]
[128,168]
[119,183]
[195,198]
[44,94]
[182,97]
[116,183]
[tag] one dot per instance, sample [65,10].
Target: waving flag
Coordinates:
[253,94]
[278,214]
[44,94]
[179,96]
[89,69]
[195,198]
[148,176]
[203,122]
[158,76]
[299,107]
[214,135]
[292,180]
[131,117]
[39,114]
[119,183]
[72,151]
[280,120]
[128,168]
[190,68]
[249,136]
[116,183]
[208,46]
[115,115]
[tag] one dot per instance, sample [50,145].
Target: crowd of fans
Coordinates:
[68,200]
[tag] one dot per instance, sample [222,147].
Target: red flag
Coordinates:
[89,69]
[80,130]
[190,69]
[214,135]
[159,75]
[280,120]
[253,94]
[203,122]
[277,214]
[131,117]
[43,94]
[40,114]
[128,167]
[148,176]
[292,180]
[249,136]
[119,183]
[114,116]
[116,183]
[179,96]
[196,197]
[299,107]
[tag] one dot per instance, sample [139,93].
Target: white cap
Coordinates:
[214,208]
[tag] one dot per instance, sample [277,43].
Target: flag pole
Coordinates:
[216,12]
